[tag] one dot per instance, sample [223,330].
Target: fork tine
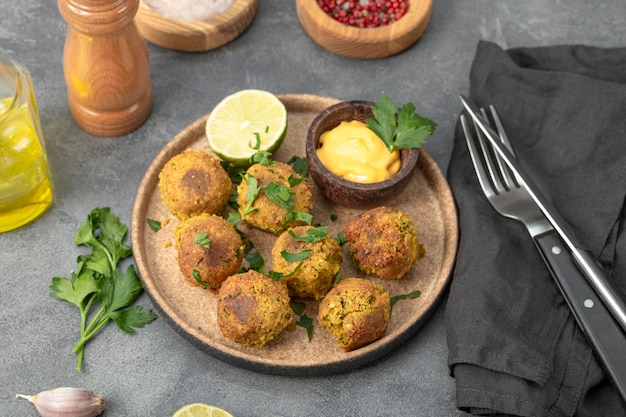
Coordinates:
[479,168]
[506,173]
[492,167]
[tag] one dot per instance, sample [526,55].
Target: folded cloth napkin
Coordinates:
[514,348]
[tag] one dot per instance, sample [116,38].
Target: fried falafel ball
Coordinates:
[252,309]
[313,276]
[209,250]
[383,242]
[356,311]
[257,204]
[193,182]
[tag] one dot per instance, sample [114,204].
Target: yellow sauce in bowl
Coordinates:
[354,152]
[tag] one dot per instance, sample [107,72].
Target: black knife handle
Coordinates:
[604,334]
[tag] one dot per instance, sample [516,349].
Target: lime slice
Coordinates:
[244,123]
[201,410]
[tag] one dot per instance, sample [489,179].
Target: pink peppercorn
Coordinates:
[365,13]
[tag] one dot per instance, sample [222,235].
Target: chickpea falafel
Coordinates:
[260,210]
[209,250]
[356,311]
[316,273]
[383,242]
[193,182]
[252,309]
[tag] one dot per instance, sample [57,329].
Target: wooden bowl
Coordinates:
[197,36]
[348,193]
[365,43]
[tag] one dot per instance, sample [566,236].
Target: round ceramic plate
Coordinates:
[192,310]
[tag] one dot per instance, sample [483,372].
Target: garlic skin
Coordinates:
[67,402]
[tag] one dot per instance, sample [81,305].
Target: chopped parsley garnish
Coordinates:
[202,240]
[155,225]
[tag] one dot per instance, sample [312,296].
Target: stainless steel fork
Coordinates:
[509,197]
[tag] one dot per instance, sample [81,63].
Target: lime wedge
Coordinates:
[200,410]
[244,123]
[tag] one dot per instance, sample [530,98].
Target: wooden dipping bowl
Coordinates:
[364,43]
[348,193]
[196,36]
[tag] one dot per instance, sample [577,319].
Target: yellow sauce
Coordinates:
[355,153]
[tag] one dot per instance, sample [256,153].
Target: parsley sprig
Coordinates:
[399,128]
[99,280]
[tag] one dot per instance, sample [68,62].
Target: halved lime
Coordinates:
[244,123]
[201,410]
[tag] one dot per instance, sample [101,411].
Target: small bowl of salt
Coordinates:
[194,25]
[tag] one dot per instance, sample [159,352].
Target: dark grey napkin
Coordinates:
[514,348]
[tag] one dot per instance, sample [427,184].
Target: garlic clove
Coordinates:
[67,402]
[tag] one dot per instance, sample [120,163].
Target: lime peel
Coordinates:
[201,410]
[244,123]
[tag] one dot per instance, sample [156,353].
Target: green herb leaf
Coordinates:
[341,238]
[295,257]
[132,317]
[262,158]
[99,280]
[298,307]
[155,225]
[395,299]
[256,261]
[311,235]
[300,216]
[280,195]
[306,322]
[251,195]
[202,240]
[234,218]
[196,275]
[399,128]
[299,165]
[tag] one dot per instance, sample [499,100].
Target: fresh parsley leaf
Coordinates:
[297,256]
[280,195]
[155,225]
[306,322]
[262,158]
[196,275]
[298,307]
[293,181]
[338,278]
[399,128]
[98,279]
[256,261]
[299,165]
[311,235]
[202,239]
[300,216]
[399,297]
[234,218]
[341,238]
[251,195]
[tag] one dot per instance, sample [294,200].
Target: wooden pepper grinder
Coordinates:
[106,66]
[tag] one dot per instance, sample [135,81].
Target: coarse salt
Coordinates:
[190,10]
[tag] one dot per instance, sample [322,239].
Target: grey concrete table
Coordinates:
[155,371]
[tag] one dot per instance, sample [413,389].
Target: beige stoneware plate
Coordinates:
[192,310]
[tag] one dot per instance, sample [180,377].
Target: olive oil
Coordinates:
[25,191]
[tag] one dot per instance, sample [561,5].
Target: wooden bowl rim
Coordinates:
[312,143]
[237,12]
[418,11]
